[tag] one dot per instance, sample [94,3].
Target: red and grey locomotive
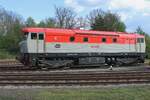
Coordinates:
[67,47]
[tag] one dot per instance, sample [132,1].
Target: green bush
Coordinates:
[4,54]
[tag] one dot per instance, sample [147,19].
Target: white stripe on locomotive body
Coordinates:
[85,48]
[91,48]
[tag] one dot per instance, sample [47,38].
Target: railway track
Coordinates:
[15,74]
[8,61]
[13,65]
[73,78]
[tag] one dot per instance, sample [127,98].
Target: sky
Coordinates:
[133,13]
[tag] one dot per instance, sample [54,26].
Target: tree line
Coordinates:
[12,23]
[67,18]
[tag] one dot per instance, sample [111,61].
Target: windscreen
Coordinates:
[25,35]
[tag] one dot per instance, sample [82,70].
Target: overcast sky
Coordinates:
[133,12]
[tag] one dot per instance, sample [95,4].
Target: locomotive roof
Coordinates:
[76,31]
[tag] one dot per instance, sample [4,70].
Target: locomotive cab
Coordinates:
[31,45]
[140,44]
[35,42]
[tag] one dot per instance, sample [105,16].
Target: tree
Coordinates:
[81,23]
[30,22]
[121,27]
[49,22]
[10,30]
[94,16]
[147,39]
[139,30]
[105,21]
[65,17]
[42,24]
[7,21]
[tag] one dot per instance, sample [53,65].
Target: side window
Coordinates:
[33,36]
[72,39]
[114,40]
[138,40]
[104,40]
[85,39]
[142,40]
[41,36]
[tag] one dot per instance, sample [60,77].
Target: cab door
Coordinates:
[32,42]
[40,43]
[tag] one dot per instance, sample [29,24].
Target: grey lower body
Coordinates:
[67,59]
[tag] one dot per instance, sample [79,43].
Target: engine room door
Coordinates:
[40,43]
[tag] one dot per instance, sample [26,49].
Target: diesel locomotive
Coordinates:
[56,47]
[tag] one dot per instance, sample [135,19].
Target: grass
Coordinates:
[147,61]
[109,93]
[6,55]
[134,93]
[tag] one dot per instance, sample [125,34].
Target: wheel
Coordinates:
[69,65]
[33,62]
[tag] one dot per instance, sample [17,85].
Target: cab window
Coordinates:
[140,40]
[25,36]
[26,33]
[41,36]
[33,36]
